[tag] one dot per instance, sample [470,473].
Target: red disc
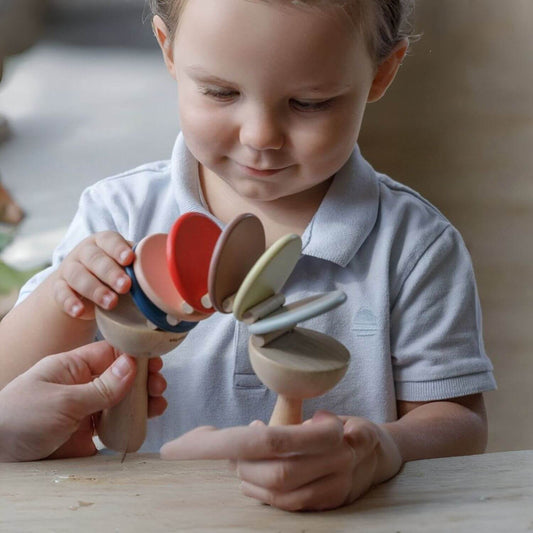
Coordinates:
[190,245]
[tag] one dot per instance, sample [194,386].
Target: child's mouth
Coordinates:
[261,173]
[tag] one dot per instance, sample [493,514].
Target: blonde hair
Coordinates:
[384,23]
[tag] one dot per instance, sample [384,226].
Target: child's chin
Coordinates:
[260,192]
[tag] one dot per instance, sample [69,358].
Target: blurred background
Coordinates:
[85,95]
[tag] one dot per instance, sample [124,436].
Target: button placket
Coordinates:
[243,376]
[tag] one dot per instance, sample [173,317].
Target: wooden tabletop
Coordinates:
[489,493]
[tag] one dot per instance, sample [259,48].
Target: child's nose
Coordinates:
[262,130]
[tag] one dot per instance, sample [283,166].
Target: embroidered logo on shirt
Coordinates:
[365,323]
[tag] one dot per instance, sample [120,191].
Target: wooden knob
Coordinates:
[123,427]
[300,364]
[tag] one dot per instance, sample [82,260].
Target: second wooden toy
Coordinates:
[294,362]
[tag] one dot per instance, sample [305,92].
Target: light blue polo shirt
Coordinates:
[412,319]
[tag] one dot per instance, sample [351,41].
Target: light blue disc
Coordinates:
[290,315]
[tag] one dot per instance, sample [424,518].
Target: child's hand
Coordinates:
[322,464]
[93,273]
[46,412]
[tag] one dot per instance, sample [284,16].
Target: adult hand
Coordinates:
[45,412]
[324,463]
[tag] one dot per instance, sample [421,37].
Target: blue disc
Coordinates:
[151,311]
[289,315]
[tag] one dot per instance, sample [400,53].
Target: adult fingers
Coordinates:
[77,366]
[326,493]
[156,385]
[155,364]
[361,434]
[107,389]
[291,473]
[80,443]
[156,406]
[256,442]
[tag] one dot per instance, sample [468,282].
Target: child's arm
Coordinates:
[440,429]
[59,314]
[331,461]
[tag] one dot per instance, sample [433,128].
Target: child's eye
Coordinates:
[219,93]
[302,105]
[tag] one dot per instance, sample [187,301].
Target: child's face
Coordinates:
[271,99]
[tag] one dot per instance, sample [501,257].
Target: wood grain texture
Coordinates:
[125,328]
[287,411]
[300,364]
[489,493]
[123,427]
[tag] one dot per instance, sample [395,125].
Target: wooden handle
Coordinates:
[123,428]
[287,411]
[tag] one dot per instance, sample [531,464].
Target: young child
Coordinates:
[271,99]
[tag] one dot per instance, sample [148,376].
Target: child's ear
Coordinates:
[387,70]
[163,38]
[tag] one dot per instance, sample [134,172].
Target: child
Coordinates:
[271,99]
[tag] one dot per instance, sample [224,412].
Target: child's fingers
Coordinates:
[115,246]
[67,299]
[105,268]
[88,286]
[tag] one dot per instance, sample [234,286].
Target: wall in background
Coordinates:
[457,126]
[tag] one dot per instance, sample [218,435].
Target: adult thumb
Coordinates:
[107,389]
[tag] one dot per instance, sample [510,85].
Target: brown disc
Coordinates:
[238,248]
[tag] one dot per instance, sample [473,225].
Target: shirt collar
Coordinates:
[341,224]
[346,215]
[186,180]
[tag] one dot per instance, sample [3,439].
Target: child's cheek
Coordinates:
[323,152]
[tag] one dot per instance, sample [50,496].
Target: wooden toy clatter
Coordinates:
[207,270]
[155,317]
[296,363]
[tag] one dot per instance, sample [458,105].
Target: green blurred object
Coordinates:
[5,239]
[12,279]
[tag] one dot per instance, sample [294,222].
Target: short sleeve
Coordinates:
[436,327]
[134,204]
[91,216]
